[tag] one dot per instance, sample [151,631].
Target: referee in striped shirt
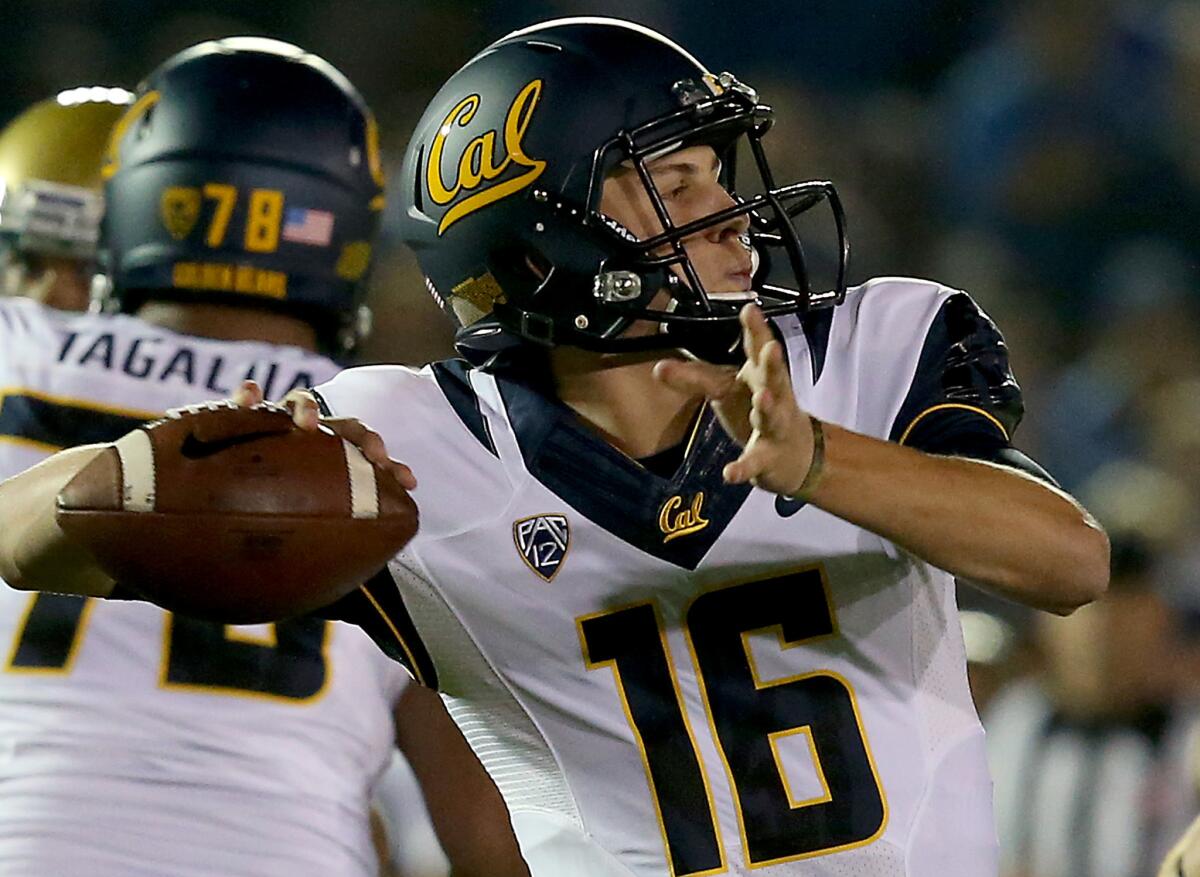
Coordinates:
[1094,756]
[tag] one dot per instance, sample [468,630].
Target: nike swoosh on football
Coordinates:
[196,449]
[785,507]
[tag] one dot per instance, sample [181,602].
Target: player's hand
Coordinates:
[1184,858]
[307,415]
[755,405]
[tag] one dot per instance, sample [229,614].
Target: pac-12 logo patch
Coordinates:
[543,541]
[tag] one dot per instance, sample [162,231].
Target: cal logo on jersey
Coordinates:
[543,541]
[675,519]
[467,182]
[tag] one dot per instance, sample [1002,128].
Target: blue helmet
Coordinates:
[500,191]
[247,171]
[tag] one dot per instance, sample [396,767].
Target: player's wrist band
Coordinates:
[816,465]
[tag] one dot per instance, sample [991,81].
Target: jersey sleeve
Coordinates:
[963,398]
[378,609]
[34,411]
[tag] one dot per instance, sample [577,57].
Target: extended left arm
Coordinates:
[991,524]
[35,554]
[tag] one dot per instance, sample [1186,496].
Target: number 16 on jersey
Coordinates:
[748,717]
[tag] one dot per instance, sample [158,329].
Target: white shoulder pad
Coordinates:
[459,481]
[400,403]
[854,365]
[891,317]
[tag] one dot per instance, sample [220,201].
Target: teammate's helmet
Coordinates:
[246,172]
[50,187]
[501,187]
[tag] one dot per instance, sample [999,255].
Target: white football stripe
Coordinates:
[364,501]
[137,471]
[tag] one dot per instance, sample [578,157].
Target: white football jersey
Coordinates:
[135,742]
[677,676]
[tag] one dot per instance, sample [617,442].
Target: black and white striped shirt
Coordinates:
[1097,799]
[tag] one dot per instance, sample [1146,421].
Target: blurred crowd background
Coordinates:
[1040,154]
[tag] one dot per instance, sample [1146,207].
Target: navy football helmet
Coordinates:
[500,191]
[247,171]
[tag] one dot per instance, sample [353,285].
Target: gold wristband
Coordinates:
[816,466]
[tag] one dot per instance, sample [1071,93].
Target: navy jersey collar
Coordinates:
[676,519]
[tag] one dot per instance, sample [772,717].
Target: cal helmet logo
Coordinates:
[468,183]
[543,541]
[180,208]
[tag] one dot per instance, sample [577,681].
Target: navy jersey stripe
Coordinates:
[619,494]
[379,610]
[55,422]
[322,405]
[452,380]
[817,326]
[962,383]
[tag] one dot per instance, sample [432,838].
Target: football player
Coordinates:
[50,198]
[696,617]
[243,191]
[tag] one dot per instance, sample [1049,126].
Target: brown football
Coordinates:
[235,514]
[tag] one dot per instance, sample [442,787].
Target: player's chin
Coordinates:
[723,276]
[736,283]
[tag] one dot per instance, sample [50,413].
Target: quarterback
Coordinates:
[689,523]
[136,741]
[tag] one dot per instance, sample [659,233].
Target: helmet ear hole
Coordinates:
[536,265]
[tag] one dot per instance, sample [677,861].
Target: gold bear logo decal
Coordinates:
[180,208]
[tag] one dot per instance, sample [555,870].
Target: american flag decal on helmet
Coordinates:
[542,541]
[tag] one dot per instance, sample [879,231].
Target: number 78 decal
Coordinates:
[748,717]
